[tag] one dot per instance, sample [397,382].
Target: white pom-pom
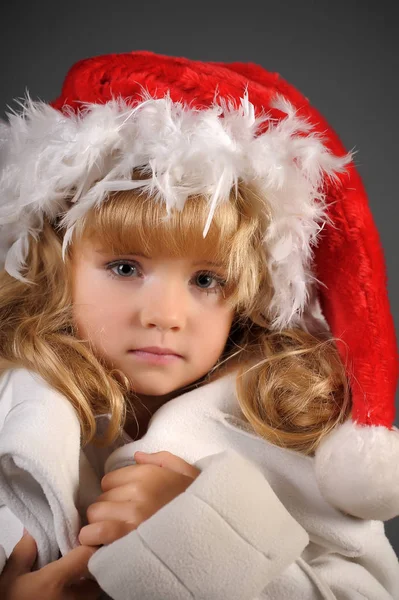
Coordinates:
[357,470]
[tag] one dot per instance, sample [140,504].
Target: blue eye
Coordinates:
[209,282]
[204,280]
[123,269]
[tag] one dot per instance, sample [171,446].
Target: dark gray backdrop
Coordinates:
[343,55]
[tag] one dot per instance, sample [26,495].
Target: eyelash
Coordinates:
[219,280]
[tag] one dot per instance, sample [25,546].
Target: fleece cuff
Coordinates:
[227,536]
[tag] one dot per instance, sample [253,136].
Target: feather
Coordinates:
[48,156]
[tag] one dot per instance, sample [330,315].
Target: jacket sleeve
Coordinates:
[372,575]
[229,537]
[333,576]
[226,538]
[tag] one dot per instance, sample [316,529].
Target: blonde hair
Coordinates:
[291,386]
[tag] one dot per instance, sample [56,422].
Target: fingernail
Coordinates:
[26,532]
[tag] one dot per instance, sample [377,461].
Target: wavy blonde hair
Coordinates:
[291,386]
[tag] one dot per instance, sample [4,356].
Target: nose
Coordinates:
[164,309]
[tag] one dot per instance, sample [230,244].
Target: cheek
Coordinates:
[95,309]
[213,329]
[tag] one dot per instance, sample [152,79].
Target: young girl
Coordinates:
[198,358]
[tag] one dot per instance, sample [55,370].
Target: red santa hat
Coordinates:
[201,127]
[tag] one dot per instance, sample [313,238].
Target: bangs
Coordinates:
[129,222]
[132,222]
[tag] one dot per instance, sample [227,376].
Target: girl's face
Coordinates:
[173,306]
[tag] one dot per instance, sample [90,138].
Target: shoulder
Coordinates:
[15,386]
[19,384]
[25,387]
[20,377]
[290,474]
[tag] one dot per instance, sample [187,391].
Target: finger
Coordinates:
[111,511]
[105,532]
[22,558]
[169,461]
[118,477]
[71,567]
[122,493]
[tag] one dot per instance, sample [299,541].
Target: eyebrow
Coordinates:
[200,262]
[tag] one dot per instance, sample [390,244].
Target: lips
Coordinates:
[157,350]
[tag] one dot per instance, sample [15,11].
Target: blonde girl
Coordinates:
[192,279]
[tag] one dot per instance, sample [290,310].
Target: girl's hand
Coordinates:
[133,494]
[59,580]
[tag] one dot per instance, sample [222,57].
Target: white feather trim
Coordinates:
[47,155]
[357,470]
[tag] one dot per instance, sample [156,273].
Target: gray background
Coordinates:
[343,55]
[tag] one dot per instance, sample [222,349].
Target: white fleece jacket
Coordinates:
[252,526]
